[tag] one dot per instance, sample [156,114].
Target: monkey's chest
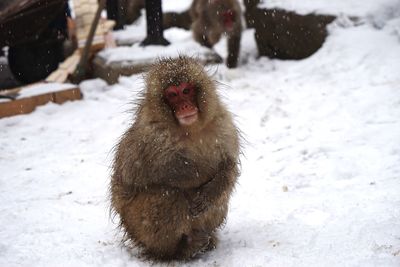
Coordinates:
[203,164]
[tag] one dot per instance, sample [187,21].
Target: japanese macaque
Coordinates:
[176,166]
[212,18]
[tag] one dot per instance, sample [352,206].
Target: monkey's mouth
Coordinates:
[188,118]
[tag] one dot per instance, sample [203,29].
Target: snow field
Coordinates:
[320,182]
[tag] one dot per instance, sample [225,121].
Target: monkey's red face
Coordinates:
[228,18]
[182,101]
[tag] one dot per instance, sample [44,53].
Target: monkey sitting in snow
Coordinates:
[176,166]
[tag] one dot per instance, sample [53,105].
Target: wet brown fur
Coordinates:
[171,184]
[208,25]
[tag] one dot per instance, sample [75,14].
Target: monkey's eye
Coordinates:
[186,91]
[172,95]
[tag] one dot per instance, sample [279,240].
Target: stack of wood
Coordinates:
[85,11]
[25,99]
[65,69]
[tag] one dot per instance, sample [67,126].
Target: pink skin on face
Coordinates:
[228,17]
[182,100]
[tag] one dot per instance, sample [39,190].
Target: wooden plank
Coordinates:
[55,76]
[96,46]
[71,68]
[103,28]
[15,91]
[107,25]
[85,8]
[66,95]
[66,63]
[66,68]
[28,104]
[111,71]
[10,92]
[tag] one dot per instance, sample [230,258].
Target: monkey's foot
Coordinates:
[218,58]
[199,242]
[231,62]
[195,244]
[212,244]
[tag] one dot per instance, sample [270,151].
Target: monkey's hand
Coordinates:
[202,198]
[198,202]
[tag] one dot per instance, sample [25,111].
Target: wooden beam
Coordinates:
[28,104]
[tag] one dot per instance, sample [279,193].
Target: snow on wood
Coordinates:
[29,97]
[111,63]
[65,69]
[85,11]
[181,43]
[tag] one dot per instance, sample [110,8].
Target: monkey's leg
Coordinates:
[157,222]
[161,225]
[192,245]
[213,242]
[233,49]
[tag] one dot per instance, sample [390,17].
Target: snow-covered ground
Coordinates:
[181,40]
[320,182]
[353,7]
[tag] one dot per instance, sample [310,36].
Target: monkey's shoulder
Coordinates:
[223,131]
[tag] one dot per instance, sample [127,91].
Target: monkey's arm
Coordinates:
[201,198]
[182,172]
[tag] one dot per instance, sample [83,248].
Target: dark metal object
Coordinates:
[22,21]
[154,24]
[116,10]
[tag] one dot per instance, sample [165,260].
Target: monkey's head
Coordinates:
[179,92]
[181,99]
[226,12]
